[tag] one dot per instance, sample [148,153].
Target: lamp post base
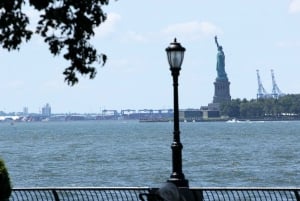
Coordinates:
[179,182]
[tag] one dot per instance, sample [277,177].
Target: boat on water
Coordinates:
[154,120]
[234,120]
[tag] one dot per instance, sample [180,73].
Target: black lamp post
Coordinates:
[175,54]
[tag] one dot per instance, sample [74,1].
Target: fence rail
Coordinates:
[76,194]
[247,194]
[132,194]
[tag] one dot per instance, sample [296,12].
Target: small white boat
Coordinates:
[234,120]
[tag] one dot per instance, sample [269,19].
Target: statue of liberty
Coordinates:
[220,62]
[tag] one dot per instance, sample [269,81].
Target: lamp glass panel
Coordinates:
[175,58]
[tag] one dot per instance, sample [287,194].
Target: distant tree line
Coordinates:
[287,106]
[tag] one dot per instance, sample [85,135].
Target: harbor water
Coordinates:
[130,153]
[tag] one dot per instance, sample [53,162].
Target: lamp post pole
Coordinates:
[175,54]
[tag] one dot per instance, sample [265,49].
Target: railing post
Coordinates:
[297,195]
[198,194]
[55,195]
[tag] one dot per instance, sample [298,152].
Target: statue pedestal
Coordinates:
[222,92]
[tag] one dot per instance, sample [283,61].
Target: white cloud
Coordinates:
[108,26]
[294,6]
[13,85]
[53,84]
[134,36]
[192,30]
[288,44]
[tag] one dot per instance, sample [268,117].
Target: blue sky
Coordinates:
[254,34]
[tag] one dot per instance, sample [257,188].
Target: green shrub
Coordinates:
[5,185]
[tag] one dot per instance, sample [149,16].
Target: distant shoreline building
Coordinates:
[46,110]
[25,111]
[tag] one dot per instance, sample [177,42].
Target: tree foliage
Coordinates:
[288,105]
[66,26]
[5,185]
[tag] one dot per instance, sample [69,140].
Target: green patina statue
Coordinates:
[220,62]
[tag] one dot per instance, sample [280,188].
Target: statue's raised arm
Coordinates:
[216,40]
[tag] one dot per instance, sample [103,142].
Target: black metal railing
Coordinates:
[133,194]
[247,194]
[76,194]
